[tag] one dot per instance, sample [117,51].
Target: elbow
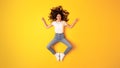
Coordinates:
[47,27]
[70,27]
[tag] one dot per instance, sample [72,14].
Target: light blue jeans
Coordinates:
[59,38]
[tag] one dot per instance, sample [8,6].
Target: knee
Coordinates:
[48,47]
[70,47]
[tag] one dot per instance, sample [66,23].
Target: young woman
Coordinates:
[59,19]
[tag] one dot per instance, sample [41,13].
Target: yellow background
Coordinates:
[95,38]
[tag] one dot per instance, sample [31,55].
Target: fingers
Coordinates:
[43,19]
[76,20]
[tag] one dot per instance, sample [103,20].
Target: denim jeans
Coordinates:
[59,38]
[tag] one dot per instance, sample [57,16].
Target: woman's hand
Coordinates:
[76,20]
[43,19]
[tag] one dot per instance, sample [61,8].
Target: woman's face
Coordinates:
[58,17]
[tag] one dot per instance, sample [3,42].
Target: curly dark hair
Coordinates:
[58,10]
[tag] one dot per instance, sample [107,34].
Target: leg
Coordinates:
[49,47]
[69,46]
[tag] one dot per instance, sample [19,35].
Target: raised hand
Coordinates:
[43,19]
[76,20]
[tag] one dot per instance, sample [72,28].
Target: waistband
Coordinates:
[59,33]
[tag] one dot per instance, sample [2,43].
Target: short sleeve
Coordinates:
[52,23]
[65,23]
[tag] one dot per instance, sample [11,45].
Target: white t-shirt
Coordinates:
[59,26]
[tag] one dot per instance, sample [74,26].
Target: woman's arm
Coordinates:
[47,26]
[74,22]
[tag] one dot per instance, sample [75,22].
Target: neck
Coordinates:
[58,20]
